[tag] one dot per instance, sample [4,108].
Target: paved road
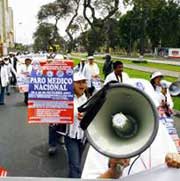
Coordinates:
[23,147]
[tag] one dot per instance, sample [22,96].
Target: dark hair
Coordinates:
[116,63]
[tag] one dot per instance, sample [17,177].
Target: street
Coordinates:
[23,147]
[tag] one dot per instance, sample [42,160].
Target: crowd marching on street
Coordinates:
[86,82]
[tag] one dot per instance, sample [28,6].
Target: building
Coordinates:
[6,27]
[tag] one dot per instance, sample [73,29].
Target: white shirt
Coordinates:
[89,71]
[112,77]
[10,70]
[96,163]
[4,76]
[161,97]
[24,69]
[74,130]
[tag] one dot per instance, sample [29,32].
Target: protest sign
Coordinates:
[51,93]
[23,82]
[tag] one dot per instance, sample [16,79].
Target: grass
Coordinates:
[139,74]
[175,68]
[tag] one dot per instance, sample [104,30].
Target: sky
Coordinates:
[25,19]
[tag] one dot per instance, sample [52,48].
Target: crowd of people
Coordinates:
[86,83]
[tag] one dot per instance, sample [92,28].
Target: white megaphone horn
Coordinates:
[120,121]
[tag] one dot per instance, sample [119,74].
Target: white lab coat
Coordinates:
[23,69]
[112,77]
[161,97]
[96,163]
[4,76]
[10,70]
[89,71]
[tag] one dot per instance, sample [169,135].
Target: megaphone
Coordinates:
[174,88]
[125,123]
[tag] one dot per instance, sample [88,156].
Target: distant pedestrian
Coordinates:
[26,69]
[108,66]
[4,80]
[11,72]
[13,61]
[80,66]
[91,71]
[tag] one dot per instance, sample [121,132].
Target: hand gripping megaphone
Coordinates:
[120,121]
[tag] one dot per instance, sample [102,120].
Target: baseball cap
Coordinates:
[79,76]
[156,74]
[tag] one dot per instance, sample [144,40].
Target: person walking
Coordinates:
[91,72]
[4,80]
[108,66]
[74,139]
[11,72]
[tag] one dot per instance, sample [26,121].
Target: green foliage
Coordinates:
[56,9]
[43,36]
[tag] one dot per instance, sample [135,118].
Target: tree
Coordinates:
[71,28]
[43,37]
[57,10]
[107,8]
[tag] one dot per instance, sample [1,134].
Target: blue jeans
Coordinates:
[53,135]
[74,150]
[2,91]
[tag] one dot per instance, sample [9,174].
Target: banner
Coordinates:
[3,172]
[23,82]
[51,93]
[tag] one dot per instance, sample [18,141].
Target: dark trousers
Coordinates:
[74,150]
[26,98]
[2,91]
[53,135]
[13,79]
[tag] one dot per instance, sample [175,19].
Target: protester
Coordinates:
[4,80]
[26,69]
[11,72]
[80,66]
[74,139]
[162,92]
[91,71]
[13,61]
[117,74]
[165,108]
[107,67]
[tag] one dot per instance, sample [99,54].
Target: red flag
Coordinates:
[3,172]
